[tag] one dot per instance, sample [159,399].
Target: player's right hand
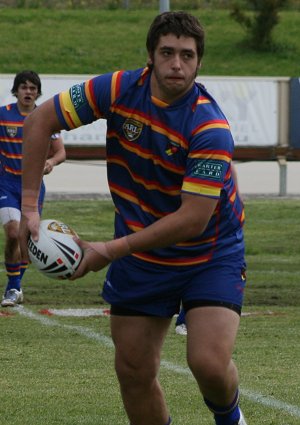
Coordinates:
[29,224]
[93,259]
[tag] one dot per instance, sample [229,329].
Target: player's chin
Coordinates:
[176,83]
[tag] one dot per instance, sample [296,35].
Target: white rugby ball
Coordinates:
[55,254]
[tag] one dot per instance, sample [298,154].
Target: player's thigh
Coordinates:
[138,341]
[212,332]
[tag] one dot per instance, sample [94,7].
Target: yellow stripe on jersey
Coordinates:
[201,189]
[202,101]
[220,157]
[130,197]
[137,179]
[209,126]
[169,262]
[90,98]
[114,86]
[13,273]
[68,110]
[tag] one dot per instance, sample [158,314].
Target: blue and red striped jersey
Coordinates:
[11,138]
[157,151]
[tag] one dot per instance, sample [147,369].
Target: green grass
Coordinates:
[272,239]
[59,370]
[98,41]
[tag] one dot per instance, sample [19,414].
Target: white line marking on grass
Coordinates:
[107,342]
[79,329]
[271,402]
[251,395]
[76,312]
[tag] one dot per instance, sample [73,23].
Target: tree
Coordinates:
[259,21]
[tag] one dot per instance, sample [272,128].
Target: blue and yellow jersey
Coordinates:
[155,152]
[11,137]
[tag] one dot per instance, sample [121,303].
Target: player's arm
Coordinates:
[37,131]
[56,155]
[189,221]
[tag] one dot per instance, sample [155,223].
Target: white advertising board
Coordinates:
[250,105]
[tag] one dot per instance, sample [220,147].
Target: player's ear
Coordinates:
[198,68]
[150,61]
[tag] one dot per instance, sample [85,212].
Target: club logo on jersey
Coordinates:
[54,226]
[172,148]
[77,96]
[208,169]
[12,131]
[132,129]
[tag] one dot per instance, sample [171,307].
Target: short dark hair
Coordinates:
[24,76]
[177,23]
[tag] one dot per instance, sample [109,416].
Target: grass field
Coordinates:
[98,41]
[59,369]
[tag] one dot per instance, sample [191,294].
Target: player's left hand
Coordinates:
[48,166]
[29,224]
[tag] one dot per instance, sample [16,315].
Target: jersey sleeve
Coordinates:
[208,159]
[84,103]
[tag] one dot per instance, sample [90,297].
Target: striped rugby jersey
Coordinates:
[156,151]
[11,139]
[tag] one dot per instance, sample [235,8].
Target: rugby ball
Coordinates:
[55,254]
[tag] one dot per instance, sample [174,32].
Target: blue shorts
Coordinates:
[141,287]
[11,192]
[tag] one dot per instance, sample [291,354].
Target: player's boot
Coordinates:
[12,297]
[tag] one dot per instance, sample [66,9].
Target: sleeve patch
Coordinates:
[208,170]
[77,95]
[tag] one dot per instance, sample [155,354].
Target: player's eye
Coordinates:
[30,88]
[188,55]
[166,53]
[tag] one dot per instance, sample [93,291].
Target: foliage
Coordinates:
[259,22]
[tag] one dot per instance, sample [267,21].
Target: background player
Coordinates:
[26,88]
[178,221]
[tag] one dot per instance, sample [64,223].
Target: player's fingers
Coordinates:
[81,270]
[29,224]
[83,244]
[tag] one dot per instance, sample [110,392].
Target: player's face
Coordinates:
[27,94]
[175,65]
